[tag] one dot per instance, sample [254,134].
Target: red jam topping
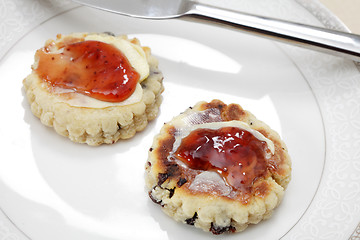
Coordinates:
[93,68]
[236,154]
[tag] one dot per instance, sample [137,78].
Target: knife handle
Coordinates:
[329,41]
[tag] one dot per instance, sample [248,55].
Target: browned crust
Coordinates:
[169,183]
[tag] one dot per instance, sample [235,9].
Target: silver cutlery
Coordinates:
[334,42]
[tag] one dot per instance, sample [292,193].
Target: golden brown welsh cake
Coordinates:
[94,88]
[217,167]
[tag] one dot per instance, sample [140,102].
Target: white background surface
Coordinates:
[347,11]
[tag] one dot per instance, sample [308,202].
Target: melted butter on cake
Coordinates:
[79,100]
[229,155]
[210,118]
[133,53]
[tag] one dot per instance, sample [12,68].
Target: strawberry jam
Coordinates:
[93,68]
[236,154]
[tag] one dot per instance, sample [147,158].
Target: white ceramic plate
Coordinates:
[51,188]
